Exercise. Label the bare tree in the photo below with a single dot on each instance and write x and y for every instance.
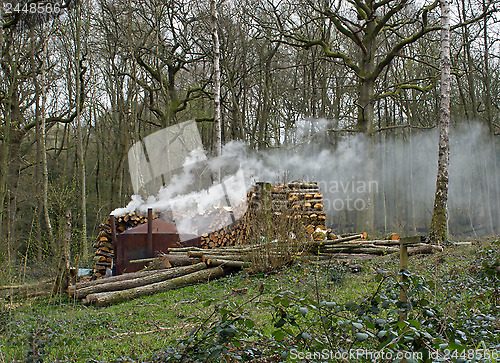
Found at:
(217, 77)
(439, 228)
(398, 22)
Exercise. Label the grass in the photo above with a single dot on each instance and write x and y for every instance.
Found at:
(132, 331)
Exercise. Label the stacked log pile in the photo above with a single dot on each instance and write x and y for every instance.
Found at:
(189, 265)
(180, 267)
(301, 201)
(103, 257)
(226, 230)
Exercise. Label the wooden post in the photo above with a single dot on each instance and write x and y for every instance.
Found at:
(150, 233)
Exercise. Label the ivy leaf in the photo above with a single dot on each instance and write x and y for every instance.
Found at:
(358, 325)
(279, 335)
(330, 304)
(280, 323)
(416, 324)
(361, 336)
(351, 306)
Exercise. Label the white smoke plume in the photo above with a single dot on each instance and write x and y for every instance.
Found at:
(395, 174)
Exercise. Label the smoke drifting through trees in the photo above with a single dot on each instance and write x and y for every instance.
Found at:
(403, 181)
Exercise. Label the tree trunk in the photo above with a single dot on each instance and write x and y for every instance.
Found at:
(365, 106)
(79, 136)
(487, 80)
(45, 172)
(62, 280)
(439, 230)
(470, 66)
(108, 298)
(217, 80)
(366, 88)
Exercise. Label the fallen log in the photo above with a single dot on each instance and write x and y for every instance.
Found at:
(185, 249)
(27, 290)
(209, 254)
(242, 258)
(140, 281)
(424, 249)
(335, 243)
(339, 240)
(356, 244)
(168, 261)
(352, 234)
(126, 276)
(376, 251)
(226, 263)
(109, 298)
(27, 287)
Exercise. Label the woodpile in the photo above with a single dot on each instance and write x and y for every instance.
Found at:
(225, 231)
(103, 257)
(189, 265)
(192, 266)
(356, 243)
(291, 209)
(300, 201)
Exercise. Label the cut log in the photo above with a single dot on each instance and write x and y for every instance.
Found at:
(227, 257)
(376, 251)
(167, 261)
(109, 298)
(126, 276)
(353, 234)
(185, 249)
(226, 263)
(140, 281)
(339, 240)
(424, 249)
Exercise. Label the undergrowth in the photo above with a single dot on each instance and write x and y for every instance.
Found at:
(304, 313)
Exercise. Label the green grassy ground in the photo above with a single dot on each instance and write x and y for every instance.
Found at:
(133, 331)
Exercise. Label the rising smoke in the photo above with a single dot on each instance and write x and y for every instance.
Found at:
(394, 177)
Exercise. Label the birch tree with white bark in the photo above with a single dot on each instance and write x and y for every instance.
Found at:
(439, 230)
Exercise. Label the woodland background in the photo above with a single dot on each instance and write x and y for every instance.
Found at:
(79, 89)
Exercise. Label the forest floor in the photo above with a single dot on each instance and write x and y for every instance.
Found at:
(67, 331)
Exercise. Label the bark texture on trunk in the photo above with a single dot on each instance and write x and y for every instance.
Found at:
(439, 230)
(62, 280)
(217, 74)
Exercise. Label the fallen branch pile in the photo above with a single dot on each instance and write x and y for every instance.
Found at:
(180, 267)
(356, 243)
(166, 272)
